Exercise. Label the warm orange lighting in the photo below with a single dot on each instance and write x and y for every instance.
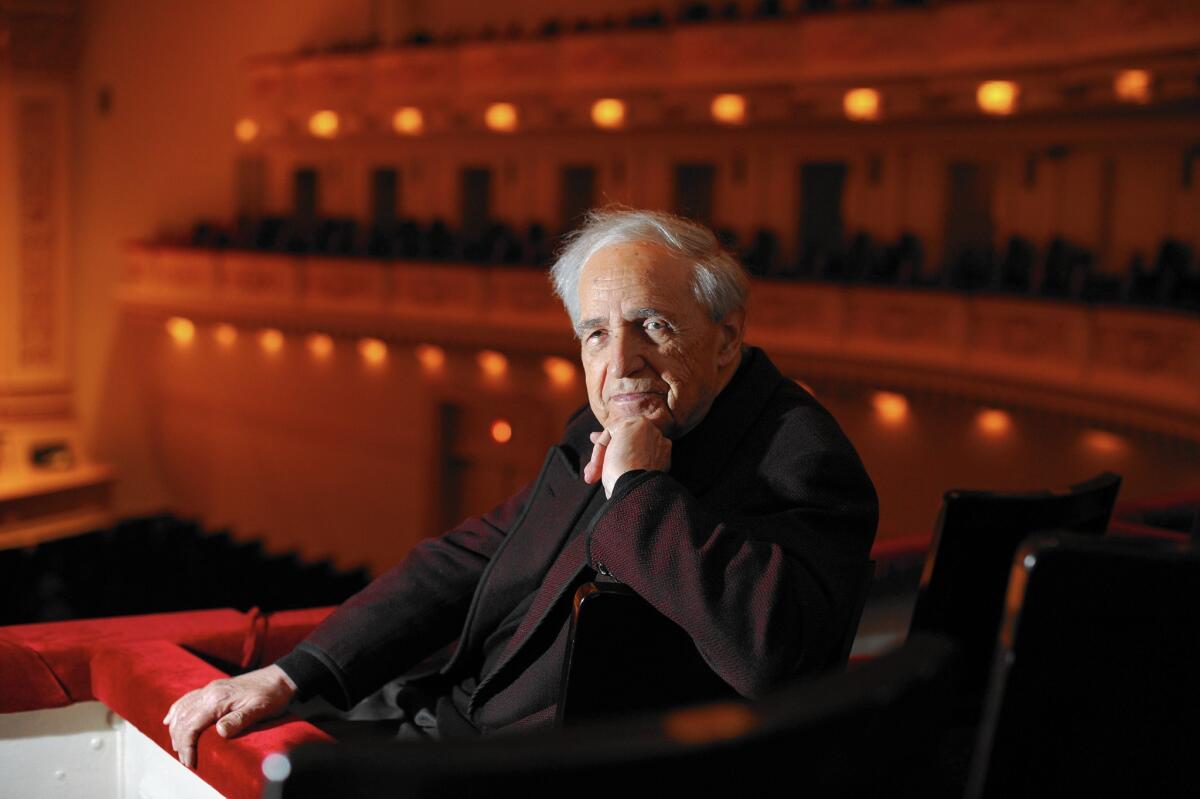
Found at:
(729, 109)
(713, 722)
(890, 407)
(608, 113)
(324, 124)
(501, 117)
(501, 431)
(408, 121)
(993, 422)
(806, 387)
(320, 346)
(861, 105)
(560, 371)
(493, 363)
(246, 130)
(181, 330)
(997, 97)
(1132, 86)
(271, 340)
(373, 351)
(1103, 442)
(431, 357)
(225, 334)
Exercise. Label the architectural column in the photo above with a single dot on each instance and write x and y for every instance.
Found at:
(47, 485)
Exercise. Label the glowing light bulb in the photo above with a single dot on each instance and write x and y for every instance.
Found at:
(181, 330)
(431, 357)
(1132, 86)
(501, 117)
(608, 113)
(225, 334)
(408, 121)
(560, 371)
(501, 431)
(493, 363)
(993, 422)
(890, 407)
(373, 351)
(271, 340)
(997, 97)
(729, 109)
(324, 124)
(320, 346)
(1103, 442)
(246, 130)
(861, 105)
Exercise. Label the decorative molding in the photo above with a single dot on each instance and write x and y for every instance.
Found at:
(1131, 366)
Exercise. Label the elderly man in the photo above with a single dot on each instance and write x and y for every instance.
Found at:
(697, 474)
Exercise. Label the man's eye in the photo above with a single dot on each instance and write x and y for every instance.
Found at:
(595, 335)
(656, 325)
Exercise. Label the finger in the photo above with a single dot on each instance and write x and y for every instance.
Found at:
(231, 724)
(594, 467)
(187, 756)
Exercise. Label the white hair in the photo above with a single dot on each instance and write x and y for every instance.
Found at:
(718, 280)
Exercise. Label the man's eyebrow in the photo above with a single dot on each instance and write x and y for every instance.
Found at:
(646, 313)
(589, 324)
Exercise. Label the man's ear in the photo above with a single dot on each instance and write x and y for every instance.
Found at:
(730, 332)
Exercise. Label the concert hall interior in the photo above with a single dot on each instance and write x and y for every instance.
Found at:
(275, 308)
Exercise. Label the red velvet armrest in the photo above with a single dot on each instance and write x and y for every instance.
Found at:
(286, 628)
(140, 681)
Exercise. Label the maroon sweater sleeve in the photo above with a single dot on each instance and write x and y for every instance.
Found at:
(406, 614)
(763, 573)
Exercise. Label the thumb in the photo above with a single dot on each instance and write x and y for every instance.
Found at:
(231, 724)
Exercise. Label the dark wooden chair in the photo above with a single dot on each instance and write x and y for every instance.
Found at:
(1095, 688)
(862, 733)
(963, 583)
(625, 657)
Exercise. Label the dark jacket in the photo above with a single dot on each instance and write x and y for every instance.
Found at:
(753, 542)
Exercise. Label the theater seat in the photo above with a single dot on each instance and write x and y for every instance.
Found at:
(963, 582)
(1094, 690)
(863, 733)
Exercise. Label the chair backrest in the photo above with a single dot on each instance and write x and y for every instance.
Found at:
(624, 657)
(865, 732)
(1095, 689)
(963, 582)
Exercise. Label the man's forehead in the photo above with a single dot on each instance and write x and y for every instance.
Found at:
(635, 273)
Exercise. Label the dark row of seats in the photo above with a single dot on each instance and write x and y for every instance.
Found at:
(1063, 270)
(1045, 659)
(160, 564)
(690, 13)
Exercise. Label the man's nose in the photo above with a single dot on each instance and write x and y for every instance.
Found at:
(626, 356)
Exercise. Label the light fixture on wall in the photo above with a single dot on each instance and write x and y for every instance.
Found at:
(729, 109)
(1103, 442)
(861, 105)
(560, 371)
(182, 331)
(997, 97)
(320, 345)
(890, 407)
(501, 117)
(1132, 86)
(993, 422)
(502, 431)
(271, 340)
(225, 334)
(373, 351)
(408, 121)
(431, 357)
(324, 124)
(609, 113)
(245, 130)
(492, 363)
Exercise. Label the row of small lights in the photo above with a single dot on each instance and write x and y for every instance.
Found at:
(994, 97)
(374, 352)
(892, 410)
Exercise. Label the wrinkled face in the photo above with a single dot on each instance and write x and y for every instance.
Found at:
(648, 347)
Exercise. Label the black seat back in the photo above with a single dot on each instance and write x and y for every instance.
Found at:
(1095, 689)
(866, 732)
(963, 582)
